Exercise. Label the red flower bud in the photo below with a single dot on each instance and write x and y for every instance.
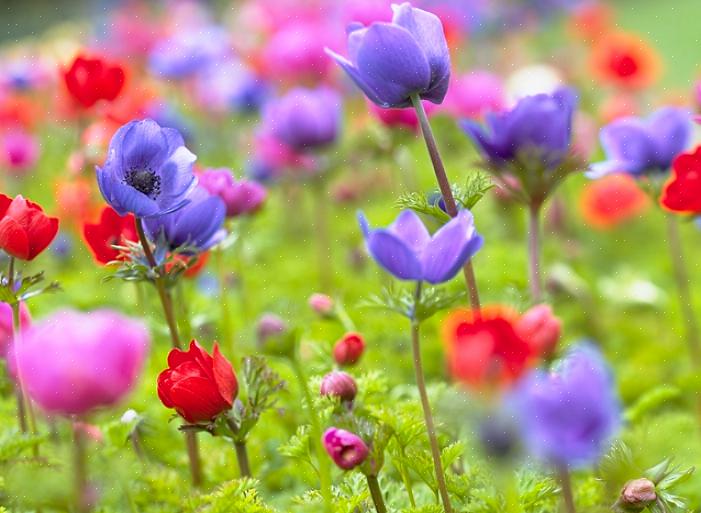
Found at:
(540, 329)
(349, 349)
(25, 231)
(91, 80)
(339, 384)
(198, 386)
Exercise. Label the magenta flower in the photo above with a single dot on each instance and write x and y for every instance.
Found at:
(474, 94)
(6, 325)
(346, 449)
(19, 151)
(74, 362)
(240, 196)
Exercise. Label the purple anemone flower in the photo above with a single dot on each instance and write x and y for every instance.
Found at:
(539, 127)
(568, 416)
(390, 62)
(197, 226)
(241, 197)
(148, 170)
(406, 250)
(189, 52)
(304, 119)
(640, 146)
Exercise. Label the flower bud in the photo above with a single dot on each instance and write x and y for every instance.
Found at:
(346, 449)
(540, 328)
(637, 495)
(339, 384)
(349, 349)
(270, 325)
(321, 304)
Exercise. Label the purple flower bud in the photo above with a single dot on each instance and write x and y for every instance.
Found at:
(346, 449)
(390, 62)
(339, 384)
(641, 146)
(637, 495)
(406, 250)
(240, 197)
(270, 325)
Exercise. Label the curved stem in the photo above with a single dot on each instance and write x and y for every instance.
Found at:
(681, 276)
(167, 304)
(324, 469)
(242, 458)
(563, 476)
(446, 192)
(426, 406)
(534, 277)
(376, 494)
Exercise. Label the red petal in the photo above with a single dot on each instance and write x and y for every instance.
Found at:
(224, 376)
(13, 238)
(197, 399)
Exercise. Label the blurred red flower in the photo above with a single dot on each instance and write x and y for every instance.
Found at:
(110, 230)
(486, 350)
(75, 201)
(90, 80)
(349, 349)
(199, 386)
(624, 60)
(682, 192)
(612, 200)
(25, 230)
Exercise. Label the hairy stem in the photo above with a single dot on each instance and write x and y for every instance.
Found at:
(534, 277)
(242, 458)
(426, 406)
(446, 193)
(376, 494)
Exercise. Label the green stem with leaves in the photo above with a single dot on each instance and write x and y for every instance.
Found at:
(324, 467)
(405, 477)
(167, 304)
(426, 406)
(446, 193)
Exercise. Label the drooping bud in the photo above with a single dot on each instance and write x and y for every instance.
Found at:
(339, 384)
(346, 449)
(637, 495)
(349, 349)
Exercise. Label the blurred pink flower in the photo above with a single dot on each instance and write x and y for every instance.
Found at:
(367, 11)
(19, 151)
(400, 117)
(74, 362)
(6, 325)
(240, 196)
(473, 94)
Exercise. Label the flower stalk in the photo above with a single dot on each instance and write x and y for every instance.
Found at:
(426, 406)
(446, 193)
(376, 494)
(167, 304)
(563, 475)
(80, 470)
(242, 458)
(534, 274)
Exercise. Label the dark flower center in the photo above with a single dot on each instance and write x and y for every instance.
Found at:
(145, 181)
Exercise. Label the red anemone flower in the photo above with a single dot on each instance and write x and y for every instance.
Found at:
(111, 230)
(682, 192)
(25, 230)
(90, 80)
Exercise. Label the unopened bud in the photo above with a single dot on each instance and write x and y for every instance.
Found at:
(637, 495)
(321, 304)
(339, 384)
(349, 349)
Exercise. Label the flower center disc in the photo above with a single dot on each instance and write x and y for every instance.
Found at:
(144, 181)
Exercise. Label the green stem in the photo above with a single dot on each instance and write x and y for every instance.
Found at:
(324, 468)
(227, 330)
(167, 304)
(426, 406)
(563, 476)
(344, 318)
(322, 237)
(242, 458)
(80, 471)
(681, 276)
(376, 494)
(534, 275)
(405, 478)
(446, 193)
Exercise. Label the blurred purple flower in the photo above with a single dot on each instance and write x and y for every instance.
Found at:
(406, 250)
(197, 226)
(640, 146)
(148, 170)
(390, 62)
(538, 127)
(187, 52)
(230, 86)
(73, 362)
(346, 449)
(304, 119)
(240, 196)
(568, 416)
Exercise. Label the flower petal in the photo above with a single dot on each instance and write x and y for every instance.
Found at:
(391, 253)
(409, 228)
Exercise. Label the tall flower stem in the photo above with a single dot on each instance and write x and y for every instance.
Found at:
(446, 193)
(80, 470)
(534, 276)
(681, 276)
(563, 475)
(321, 227)
(324, 468)
(426, 406)
(242, 458)
(227, 330)
(167, 304)
(376, 494)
